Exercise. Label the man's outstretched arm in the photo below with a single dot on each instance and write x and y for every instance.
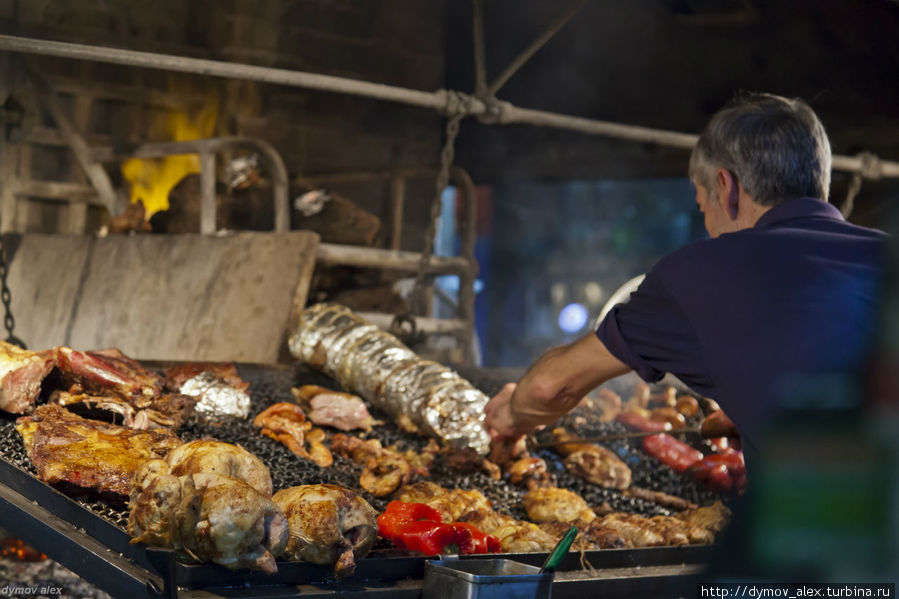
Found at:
(552, 386)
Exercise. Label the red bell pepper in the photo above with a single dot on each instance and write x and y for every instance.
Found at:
(480, 542)
(418, 527)
(676, 454)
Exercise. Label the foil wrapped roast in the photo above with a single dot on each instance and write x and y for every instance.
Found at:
(421, 395)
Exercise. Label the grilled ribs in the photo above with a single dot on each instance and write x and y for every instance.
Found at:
(88, 457)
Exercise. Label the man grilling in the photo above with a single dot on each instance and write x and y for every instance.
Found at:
(784, 288)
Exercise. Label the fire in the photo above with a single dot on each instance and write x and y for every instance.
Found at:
(16, 549)
(153, 179)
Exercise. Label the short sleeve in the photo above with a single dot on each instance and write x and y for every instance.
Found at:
(651, 334)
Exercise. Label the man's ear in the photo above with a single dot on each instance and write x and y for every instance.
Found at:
(729, 189)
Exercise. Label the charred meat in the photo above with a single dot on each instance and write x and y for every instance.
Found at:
(21, 375)
(106, 372)
(222, 458)
(88, 456)
(384, 471)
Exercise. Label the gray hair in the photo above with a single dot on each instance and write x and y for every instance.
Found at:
(775, 147)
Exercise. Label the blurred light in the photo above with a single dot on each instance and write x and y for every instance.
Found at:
(558, 293)
(593, 292)
(573, 318)
(478, 285)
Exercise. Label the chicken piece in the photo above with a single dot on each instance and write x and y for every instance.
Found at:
(328, 525)
(594, 463)
(318, 452)
(514, 535)
(705, 522)
(222, 458)
(505, 450)
(605, 537)
(421, 461)
(452, 504)
(176, 376)
(636, 530)
(21, 375)
(343, 411)
(285, 422)
(530, 471)
(87, 456)
(558, 530)
(674, 530)
(552, 504)
(108, 371)
(384, 471)
(599, 466)
(207, 516)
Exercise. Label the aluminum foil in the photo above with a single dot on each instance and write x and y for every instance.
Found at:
(373, 363)
(217, 399)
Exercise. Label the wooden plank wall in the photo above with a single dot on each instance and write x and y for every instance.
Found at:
(162, 297)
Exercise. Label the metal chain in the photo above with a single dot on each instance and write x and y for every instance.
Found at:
(8, 321)
(458, 105)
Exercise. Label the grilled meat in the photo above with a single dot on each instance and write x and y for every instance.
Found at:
(88, 456)
(106, 372)
(222, 458)
(329, 525)
(285, 422)
(530, 471)
(605, 537)
(207, 516)
(557, 530)
(468, 460)
(176, 376)
(636, 530)
(673, 529)
(594, 463)
(21, 375)
(705, 522)
(165, 411)
(342, 411)
(552, 504)
(514, 535)
(384, 471)
(452, 504)
(660, 498)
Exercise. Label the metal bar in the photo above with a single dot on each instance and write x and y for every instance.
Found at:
(397, 203)
(435, 100)
(201, 66)
(329, 253)
(480, 58)
(534, 46)
(95, 173)
(207, 193)
(74, 549)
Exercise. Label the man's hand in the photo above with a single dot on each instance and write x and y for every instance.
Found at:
(499, 419)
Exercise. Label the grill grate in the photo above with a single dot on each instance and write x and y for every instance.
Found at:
(269, 385)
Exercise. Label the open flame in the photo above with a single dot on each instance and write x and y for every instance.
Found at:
(153, 179)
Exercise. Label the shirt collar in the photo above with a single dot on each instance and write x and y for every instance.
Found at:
(798, 208)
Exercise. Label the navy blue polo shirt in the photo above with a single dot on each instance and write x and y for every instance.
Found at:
(737, 317)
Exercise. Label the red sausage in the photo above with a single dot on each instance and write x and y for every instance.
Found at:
(638, 422)
(676, 454)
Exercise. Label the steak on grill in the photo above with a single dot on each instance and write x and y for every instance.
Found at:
(87, 456)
